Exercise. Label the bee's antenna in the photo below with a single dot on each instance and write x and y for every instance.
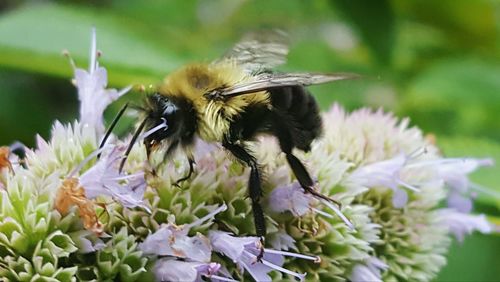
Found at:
(111, 127)
(131, 144)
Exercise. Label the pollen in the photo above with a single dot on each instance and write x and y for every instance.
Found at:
(71, 193)
(4, 158)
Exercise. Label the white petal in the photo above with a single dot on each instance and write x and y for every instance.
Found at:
(169, 240)
(174, 270)
(290, 198)
(461, 224)
(194, 248)
(369, 270)
(459, 202)
(399, 198)
(258, 271)
(379, 174)
(361, 273)
(157, 243)
(228, 245)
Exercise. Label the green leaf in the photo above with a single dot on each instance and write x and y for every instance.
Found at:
(458, 96)
(485, 176)
(376, 23)
(33, 38)
(466, 24)
(476, 259)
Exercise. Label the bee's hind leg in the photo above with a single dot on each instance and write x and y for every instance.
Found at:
(305, 179)
(282, 132)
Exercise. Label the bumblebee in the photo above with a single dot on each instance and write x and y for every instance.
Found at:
(231, 101)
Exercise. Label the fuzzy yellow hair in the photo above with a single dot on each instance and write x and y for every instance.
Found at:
(193, 81)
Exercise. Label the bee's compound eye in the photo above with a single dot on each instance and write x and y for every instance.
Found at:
(169, 109)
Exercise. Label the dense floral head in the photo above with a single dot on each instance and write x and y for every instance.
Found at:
(68, 215)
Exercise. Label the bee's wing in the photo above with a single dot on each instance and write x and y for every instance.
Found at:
(259, 51)
(266, 81)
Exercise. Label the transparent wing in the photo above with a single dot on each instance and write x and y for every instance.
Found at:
(259, 51)
(267, 81)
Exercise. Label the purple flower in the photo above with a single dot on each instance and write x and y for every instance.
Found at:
(169, 269)
(292, 198)
(454, 173)
(461, 224)
(244, 251)
(103, 178)
(172, 240)
(384, 174)
(369, 270)
(92, 93)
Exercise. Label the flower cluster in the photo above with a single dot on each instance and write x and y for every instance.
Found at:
(68, 212)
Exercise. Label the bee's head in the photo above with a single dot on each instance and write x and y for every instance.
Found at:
(176, 113)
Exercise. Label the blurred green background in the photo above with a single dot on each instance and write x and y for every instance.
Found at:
(437, 62)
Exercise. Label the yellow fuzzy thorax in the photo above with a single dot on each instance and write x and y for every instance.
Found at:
(193, 81)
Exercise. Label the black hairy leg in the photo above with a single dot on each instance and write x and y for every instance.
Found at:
(305, 179)
(282, 131)
(191, 170)
(254, 189)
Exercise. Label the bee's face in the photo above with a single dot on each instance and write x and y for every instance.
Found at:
(173, 111)
(160, 110)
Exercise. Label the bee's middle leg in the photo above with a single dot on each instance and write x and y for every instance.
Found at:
(254, 189)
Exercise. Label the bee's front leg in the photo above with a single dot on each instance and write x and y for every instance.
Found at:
(191, 170)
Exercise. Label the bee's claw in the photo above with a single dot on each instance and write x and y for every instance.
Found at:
(315, 193)
(261, 253)
(191, 170)
(179, 181)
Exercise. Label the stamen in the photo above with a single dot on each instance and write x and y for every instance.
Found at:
(154, 129)
(481, 162)
(70, 59)
(290, 254)
(93, 51)
(408, 186)
(220, 278)
(124, 90)
(86, 160)
(484, 190)
(126, 177)
(418, 152)
(339, 213)
(284, 270)
(206, 217)
(325, 214)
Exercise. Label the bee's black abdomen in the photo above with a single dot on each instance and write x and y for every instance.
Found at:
(297, 112)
